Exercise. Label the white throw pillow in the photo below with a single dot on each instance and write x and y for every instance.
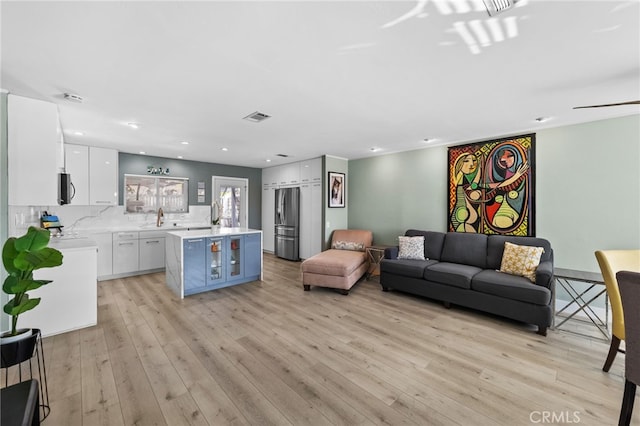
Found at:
(411, 248)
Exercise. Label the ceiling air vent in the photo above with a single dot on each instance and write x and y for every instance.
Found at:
(257, 117)
(496, 6)
(73, 97)
(282, 155)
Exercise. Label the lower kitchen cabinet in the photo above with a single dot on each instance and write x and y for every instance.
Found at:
(208, 262)
(216, 262)
(252, 263)
(125, 252)
(194, 258)
(151, 250)
(104, 240)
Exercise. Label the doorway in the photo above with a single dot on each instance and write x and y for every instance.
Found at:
(232, 196)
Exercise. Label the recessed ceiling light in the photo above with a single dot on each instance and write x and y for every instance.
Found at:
(268, 160)
(184, 143)
(225, 149)
(78, 133)
(142, 152)
(134, 125)
(542, 119)
(374, 149)
(180, 157)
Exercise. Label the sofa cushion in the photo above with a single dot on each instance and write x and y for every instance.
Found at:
(405, 267)
(358, 236)
(411, 248)
(521, 260)
(334, 262)
(433, 242)
(495, 247)
(467, 249)
(347, 245)
(510, 287)
(453, 274)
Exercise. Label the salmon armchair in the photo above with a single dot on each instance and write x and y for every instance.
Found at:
(611, 262)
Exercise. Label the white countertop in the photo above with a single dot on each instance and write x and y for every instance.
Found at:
(65, 244)
(135, 228)
(201, 233)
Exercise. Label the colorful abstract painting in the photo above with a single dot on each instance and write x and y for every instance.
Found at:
(492, 186)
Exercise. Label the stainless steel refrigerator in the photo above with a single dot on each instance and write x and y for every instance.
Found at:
(287, 214)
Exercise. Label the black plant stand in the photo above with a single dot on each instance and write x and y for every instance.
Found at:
(25, 353)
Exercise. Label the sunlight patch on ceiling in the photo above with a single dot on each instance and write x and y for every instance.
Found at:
(476, 33)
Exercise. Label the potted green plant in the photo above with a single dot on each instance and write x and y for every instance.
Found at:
(20, 257)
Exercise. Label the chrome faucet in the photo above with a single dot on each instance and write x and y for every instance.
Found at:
(159, 220)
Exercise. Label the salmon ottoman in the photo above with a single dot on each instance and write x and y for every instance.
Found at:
(342, 265)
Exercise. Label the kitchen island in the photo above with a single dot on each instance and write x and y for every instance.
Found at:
(204, 260)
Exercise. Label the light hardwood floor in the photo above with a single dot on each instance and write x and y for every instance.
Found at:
(270, 353)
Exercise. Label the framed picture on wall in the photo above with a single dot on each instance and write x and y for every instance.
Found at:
(492, 186)
(336, 185)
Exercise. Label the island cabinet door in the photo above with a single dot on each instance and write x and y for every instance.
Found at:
(235, 259)
(252, 256)
(215, 261)
(194, 261)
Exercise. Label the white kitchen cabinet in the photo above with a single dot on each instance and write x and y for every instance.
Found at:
(33, 151)
(125, 252)
(270, 176)
(310, 219)
(287, 174)
(308, 176)
(305, 172)
(316, 170)
(151, 248)
(305, 221)
(104, 240)
(310, 207)
(316, 218)
(103, 176)
(268, 216)
(77, 165)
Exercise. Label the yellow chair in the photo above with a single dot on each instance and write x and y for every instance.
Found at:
(611, 262)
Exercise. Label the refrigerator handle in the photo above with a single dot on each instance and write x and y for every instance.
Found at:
(284, 207)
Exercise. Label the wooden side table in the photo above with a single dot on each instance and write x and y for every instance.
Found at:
(375, 254)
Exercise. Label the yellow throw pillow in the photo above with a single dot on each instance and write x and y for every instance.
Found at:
(521, 260)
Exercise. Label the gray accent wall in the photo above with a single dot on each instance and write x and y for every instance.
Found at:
(587, 190)
(196, 171)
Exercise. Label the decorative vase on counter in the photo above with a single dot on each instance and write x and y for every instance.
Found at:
(215, 217)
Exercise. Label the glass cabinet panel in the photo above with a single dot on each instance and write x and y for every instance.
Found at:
(215, 260)
(235, 256)
(145, 194)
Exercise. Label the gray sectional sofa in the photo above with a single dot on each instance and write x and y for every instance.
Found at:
(462, 269)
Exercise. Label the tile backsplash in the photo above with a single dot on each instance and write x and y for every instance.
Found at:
(79, 219)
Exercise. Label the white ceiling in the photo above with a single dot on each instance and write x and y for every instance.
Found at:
(338, 78)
